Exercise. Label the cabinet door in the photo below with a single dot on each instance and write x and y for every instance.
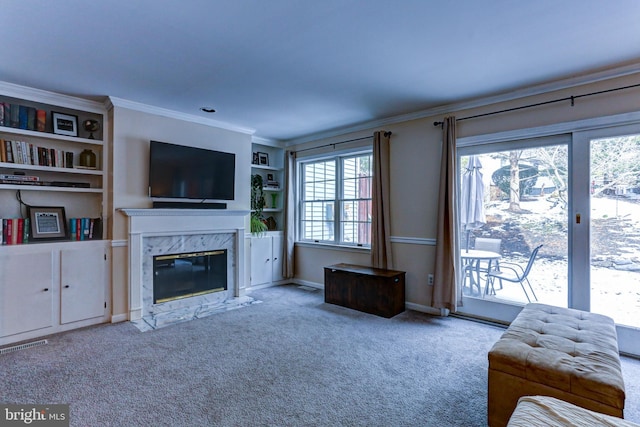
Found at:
(261, 262)
(82, 285)
(26, 292)
(277, 248)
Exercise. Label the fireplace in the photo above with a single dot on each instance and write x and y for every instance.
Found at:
(185, 275)
(155, 234)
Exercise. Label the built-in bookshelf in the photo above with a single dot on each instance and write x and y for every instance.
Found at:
(51, 155)
(268, 161)
(53, 183)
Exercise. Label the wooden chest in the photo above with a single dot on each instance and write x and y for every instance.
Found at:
(371, 290)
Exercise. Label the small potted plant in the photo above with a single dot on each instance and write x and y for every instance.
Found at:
(257, 205)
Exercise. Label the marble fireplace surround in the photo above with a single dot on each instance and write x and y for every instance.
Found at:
(169, 231)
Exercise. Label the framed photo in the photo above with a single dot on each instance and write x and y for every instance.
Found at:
(263, 159)
(64, 124)
(270, 177)
(256, 159)
(47, 223)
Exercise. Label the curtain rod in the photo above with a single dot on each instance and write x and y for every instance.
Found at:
(568, 98)
(333, 144)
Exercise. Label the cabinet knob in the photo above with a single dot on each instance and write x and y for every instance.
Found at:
(267, 260)
(46, 289)
(275, 259)
(66, 286)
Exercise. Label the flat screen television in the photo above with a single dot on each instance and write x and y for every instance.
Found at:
(181, 172)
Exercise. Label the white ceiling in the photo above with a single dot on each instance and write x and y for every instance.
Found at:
(292, 68)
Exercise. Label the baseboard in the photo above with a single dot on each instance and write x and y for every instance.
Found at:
(425, 309)
(117, 318)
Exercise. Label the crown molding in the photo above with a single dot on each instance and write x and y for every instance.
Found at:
(603, 75)
(112, 102)
(57, 99)
(267, 141)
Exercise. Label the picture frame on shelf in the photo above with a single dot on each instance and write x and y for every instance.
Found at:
(270, 177)
(263, 159)
(48, 222)
(255, 160)
(64, 124)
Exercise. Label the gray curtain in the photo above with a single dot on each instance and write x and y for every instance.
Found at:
(380, 230)
(446, 292)
(288, 261)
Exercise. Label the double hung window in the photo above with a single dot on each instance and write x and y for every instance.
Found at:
(335, 200)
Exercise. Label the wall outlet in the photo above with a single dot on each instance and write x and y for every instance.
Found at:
(430, 279)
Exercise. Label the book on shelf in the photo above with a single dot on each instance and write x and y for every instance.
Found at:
(14, 110)
(15, 231)
(21, 152)
(31, 118)
(2, 114)
(10, 177)
(41, 120)
(23, 116)
(85, 228)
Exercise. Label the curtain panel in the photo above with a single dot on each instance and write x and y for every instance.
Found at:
(380, 229)
(288, 259)
(446, 291)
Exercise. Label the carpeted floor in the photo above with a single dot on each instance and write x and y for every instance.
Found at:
(291, 361)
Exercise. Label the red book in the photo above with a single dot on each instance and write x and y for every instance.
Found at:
(20, 230)
(9, 230)
(78, 229)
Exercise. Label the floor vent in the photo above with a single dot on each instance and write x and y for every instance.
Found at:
(22, 346)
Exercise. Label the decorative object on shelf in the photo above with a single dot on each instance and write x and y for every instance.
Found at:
(257, 205)
(88, 159)
(272, 225)
(255, 160)
(47, 223)
(274, 200)
(64, 124)
(91, 126)
(263, 159)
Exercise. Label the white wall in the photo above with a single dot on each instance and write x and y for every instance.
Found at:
(415, 173)
(129, 155)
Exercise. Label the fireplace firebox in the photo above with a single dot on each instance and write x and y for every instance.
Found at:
(184, 275)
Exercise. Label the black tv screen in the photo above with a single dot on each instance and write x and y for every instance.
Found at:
(178, 171)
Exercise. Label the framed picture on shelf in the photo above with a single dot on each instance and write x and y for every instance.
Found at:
(263, 159)
(48, 223)
(255, 160)
(64, 124)
(270, 177)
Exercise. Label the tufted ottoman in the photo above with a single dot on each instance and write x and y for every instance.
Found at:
(568, 354)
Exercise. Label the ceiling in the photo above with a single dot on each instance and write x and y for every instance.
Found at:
(294, 68)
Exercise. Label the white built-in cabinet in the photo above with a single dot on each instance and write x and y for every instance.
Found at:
(52, 286)
(266, 259)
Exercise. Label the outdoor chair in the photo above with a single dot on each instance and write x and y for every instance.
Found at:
(492, 245)
(515, 273)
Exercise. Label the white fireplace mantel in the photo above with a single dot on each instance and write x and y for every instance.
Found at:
(146, 224)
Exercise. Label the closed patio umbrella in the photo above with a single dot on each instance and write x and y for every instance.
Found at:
(472, 198)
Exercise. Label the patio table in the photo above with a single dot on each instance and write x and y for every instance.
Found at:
(471, 260)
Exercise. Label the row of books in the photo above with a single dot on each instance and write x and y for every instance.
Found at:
(22, 117)
(85, 228)
(15, 231)
(25, 153)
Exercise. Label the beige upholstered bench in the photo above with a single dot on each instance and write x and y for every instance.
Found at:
(568, 354)
(549, 411)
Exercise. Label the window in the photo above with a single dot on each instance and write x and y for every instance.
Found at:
(335, 200)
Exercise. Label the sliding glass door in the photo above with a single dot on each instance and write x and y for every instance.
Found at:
(577, 195)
